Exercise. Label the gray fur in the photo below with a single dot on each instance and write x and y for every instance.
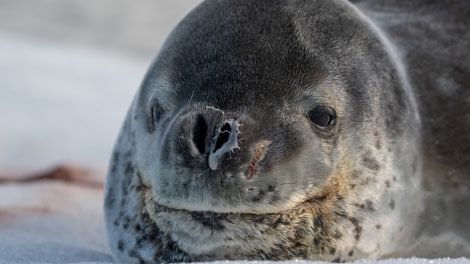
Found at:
(217, 158)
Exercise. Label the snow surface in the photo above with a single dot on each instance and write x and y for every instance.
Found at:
(61, 103)
(66, 103)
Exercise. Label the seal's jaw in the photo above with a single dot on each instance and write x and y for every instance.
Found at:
(276, 236)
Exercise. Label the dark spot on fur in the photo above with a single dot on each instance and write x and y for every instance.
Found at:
(110, 199)
(281, 221)
(355, 174)
(387, 184)
(357, 228)
(332, 251)
(378, 226)
(145, 237)
(370, 162)
(359, 206)
(271, 188)
(145, 216)
(127, 220)
(259, 219)
(186, 188)
(274, 199)
(316, 241)
(120, 245)
(318, 221)
(392, 204)
(338, 234)
(128, 154)
(370, 205)
(138, 242)
(129, 170)
(394, 178)
(366, 181)
(115, 161)
(133, 253)
(351, 253)
(210, 219)
(378, 143)
(116, 222)
(337, 260)
(352, 186)
(341, 214)
(137, 227)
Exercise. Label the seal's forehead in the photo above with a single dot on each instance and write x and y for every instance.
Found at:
(244, 47)
(261, 49)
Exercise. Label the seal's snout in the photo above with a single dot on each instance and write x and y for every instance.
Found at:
(206, 134)
(214, 139)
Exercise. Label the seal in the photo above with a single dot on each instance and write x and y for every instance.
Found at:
(322, 130)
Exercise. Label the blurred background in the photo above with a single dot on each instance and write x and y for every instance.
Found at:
(68, 72)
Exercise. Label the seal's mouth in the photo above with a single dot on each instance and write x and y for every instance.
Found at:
(203, 216)
(219, 221)
(310, 207)
(206, 218)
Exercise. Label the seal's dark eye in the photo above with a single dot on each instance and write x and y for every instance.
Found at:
(323, 117)
(156, 113)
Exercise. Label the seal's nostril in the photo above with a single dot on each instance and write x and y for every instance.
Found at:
(224, 141)
(223, 136)
(199, 133)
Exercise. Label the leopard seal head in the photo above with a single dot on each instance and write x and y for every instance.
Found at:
(267, 130)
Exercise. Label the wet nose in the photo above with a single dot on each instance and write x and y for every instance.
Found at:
(224, 139)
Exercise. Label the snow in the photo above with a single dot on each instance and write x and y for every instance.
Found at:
(62, 103)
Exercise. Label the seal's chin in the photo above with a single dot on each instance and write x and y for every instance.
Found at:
(211, 233)
(238, 235)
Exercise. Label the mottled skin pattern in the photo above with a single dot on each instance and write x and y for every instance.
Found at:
(226, 154)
